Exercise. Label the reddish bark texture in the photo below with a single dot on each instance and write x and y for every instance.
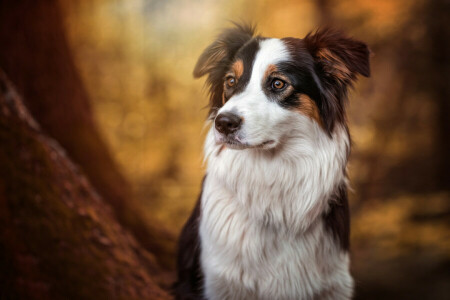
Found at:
(58, 238)
(34, 54)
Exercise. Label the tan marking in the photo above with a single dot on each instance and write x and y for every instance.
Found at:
(238, 68)
(334, 65)
(220, 149)
(270, 69)
(223, 98)
(309, 108)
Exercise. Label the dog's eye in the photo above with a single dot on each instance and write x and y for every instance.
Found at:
(230, 81)
(278, 84)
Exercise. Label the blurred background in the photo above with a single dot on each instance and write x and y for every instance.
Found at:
(110, 81)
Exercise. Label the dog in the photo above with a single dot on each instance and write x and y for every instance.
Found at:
(272, 220)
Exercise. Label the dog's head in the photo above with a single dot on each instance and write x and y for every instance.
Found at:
(262, 88)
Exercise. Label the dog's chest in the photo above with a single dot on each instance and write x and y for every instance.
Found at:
(245, 259)
(261, 227)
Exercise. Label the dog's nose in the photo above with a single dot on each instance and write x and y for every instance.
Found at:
(227, 123)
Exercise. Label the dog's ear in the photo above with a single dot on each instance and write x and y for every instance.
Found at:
(338, 57)
(223, 49)
(338, 60)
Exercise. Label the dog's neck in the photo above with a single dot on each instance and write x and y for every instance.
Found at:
(288, 187)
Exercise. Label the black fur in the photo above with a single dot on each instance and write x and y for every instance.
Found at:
(354, 55)
(216, 60)
(247, 54)
(337, 219)
(303, 79)
(189, 274)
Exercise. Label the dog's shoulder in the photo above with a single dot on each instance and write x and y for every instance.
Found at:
(189, 274)
(337, 218)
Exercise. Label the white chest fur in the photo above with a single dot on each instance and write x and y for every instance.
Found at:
(261, 230)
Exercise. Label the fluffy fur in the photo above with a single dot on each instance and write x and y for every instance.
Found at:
(272, 220)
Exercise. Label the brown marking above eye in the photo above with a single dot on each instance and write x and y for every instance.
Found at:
(238, 68)
(309, 108)
(277, 77)
(270, 69)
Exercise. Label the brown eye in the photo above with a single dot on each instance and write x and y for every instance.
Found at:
(231, 81)
(278, 84)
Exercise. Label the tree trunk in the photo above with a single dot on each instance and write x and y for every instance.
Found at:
(58, 239)
(34, 54)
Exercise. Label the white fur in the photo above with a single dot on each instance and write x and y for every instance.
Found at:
(262, 116)
(261, 230)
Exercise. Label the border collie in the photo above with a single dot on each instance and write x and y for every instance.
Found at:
(272, 221)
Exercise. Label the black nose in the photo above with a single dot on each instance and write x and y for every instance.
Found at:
(227, 123)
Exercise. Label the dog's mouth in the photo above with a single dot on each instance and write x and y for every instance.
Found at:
(234, 142)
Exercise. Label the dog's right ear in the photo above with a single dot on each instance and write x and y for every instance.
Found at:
(223, 49)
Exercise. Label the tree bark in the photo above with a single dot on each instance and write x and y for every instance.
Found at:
(34, 54)
(58, 238)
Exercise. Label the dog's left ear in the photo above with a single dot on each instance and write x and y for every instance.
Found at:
(338, 57)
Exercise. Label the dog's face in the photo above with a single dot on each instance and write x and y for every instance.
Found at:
(262, 89)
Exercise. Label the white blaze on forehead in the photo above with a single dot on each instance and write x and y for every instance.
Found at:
(262, 117)
(271, 51)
